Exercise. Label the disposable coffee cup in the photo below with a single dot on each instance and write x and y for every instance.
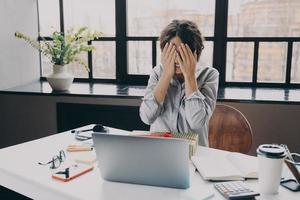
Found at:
(270, 162)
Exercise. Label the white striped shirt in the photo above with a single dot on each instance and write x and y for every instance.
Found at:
(179, 113)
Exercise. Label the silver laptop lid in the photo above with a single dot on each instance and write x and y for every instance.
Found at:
(143, 160)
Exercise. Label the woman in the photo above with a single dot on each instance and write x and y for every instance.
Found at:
(181, 95)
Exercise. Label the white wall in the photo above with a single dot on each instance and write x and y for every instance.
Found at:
(19, 63)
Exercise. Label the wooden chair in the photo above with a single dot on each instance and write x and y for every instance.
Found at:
(229, 130)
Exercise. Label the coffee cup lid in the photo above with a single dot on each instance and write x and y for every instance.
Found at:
(271, 151)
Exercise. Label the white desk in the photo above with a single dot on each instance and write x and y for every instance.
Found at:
(20, 172)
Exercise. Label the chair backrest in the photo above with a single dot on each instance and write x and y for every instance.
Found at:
(229, 130)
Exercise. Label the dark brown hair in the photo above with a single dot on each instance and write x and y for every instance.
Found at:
(187, 31)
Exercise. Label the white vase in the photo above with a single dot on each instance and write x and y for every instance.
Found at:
(60, 79)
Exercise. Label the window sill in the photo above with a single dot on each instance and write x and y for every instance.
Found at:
(105, 90)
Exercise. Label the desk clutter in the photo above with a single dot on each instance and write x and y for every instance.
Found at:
(235, 166)
(62, 155)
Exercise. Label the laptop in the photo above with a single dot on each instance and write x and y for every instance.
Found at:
(155, 161)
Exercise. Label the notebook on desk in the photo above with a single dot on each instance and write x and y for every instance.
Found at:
(143, 160)
(233, 166)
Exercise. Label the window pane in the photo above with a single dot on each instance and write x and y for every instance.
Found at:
(78, 70)
(46, 66)
(295, 73)
(272, 62)
(104, 60)
(98, 15)
(148, 18)
(48, 16)
(250, 18)
(267, 94)
(140, 57)
(206, 57)
(239, 61)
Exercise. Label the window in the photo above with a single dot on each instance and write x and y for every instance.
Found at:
(48, 16)
(250, 42)
(262, 32)
(296, 63)
(271, 62)
(104, 65)
(239, 61)
(66, 14)
(91, 13)
(263, 18)
(148, 18)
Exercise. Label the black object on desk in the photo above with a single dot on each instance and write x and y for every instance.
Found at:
(98, 128)
(292, 184)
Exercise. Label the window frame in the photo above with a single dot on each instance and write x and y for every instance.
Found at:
(219, 39)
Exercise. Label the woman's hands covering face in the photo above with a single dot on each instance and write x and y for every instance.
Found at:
(168, 59)
(187, 60)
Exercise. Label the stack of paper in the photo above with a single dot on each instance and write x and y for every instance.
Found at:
(191, 137)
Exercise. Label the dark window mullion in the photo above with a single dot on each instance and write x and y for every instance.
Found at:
(121, 43)
(39, 31)
(105, 39)
(61, 16)
(154, 52)
(289, 63)
(90, 63)
(255, 62)
(220, 35)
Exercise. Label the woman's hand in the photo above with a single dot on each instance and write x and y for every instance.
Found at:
(168, 60)
(187, 61)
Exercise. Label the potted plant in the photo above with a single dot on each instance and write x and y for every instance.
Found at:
(62, 50)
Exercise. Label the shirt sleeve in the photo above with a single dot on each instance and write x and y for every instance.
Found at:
(201, 103)
(150, 109)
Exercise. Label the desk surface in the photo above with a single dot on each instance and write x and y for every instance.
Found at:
(20, 172)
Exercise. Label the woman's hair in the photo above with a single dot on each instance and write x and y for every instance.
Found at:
(187, 31)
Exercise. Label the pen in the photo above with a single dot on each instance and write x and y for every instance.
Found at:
(74, 148)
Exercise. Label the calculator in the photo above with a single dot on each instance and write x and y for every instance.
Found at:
(235, 190)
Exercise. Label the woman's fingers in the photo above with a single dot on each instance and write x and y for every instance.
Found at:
(185, 51)
(173, 55)
(191, 56)
(181, 53)
(179, 59)
(195, 56)
(173, 49)
(168, 51)
(164, 50)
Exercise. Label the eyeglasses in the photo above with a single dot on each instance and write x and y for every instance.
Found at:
(56, 160)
